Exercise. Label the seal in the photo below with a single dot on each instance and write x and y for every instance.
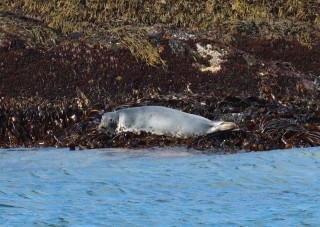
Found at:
(160, 121)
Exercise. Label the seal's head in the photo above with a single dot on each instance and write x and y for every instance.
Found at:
(109, 123)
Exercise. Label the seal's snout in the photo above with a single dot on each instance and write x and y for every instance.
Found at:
(101, 128)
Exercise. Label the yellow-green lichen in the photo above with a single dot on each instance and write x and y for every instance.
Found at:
(287, 19)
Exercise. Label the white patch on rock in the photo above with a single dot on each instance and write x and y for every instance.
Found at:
(214, 57)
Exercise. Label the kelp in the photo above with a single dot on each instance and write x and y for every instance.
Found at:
(71, 123)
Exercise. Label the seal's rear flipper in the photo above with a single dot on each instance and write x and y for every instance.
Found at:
(223, 126)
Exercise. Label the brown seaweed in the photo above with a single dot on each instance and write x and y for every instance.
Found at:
(60, 70)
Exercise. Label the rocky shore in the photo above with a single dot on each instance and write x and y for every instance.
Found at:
(53, 93)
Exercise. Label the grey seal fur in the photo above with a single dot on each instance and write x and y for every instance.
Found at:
(160, 121)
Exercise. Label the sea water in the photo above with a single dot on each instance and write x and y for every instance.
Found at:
(159, 187)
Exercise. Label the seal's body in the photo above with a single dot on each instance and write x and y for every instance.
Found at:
(160, 121)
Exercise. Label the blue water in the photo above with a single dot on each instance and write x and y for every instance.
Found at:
(159, 187)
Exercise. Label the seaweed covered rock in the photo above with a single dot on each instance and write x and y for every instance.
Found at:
(62, 64)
